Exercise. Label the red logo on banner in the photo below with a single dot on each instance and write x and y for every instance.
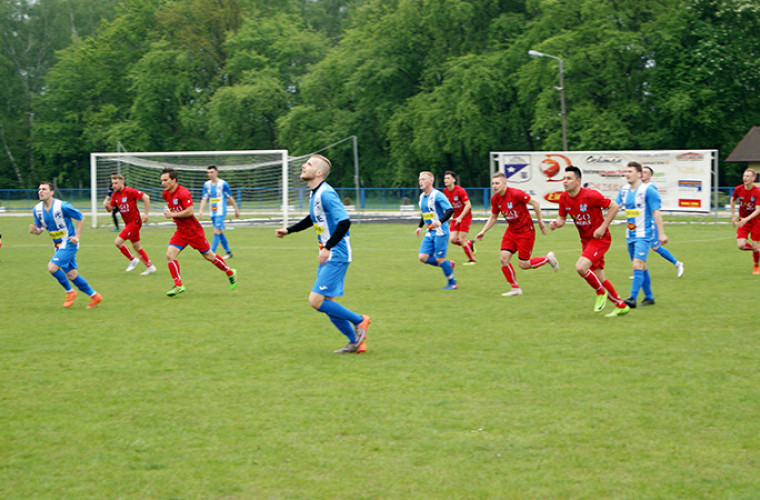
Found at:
(689, 203)
(553, 197)
(551, 167)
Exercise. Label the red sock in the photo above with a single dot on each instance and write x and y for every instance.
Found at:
(538, 262)
(219, 262)
(144, 257)
(593, 280)
(756, 257)
(612, 294)
(467, 247)
(123, 249)
(509, 273)
(174, 271)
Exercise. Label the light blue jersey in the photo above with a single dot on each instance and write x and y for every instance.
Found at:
(217, 194)
(639, 205)
(434, 206)
(326, 211)
(57, 221)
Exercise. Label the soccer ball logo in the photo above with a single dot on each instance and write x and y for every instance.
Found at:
(552, 165)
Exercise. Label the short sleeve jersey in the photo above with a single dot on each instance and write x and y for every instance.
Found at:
(57, 221)
(126, 201)
(177, 201)
(513, 207)
(746, 199)
(586, 211)
(639, 205)
(217, 194)
(433, 206)
(457, 197)
(326, 211)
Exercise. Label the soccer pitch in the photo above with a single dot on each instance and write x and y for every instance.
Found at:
(461, 394)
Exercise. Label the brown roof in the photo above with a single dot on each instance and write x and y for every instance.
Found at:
(749, 147)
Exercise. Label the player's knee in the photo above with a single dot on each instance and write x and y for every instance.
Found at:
(52, 268)
(423, 257)
(524, 264)
(441, 260)
(454, 241)
(315, 301)
(581, 268)
(72, 275)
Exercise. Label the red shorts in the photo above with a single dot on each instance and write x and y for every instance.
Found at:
(195, 240)
(751, 231)
(131, 232)
(594, 251)
(519, 243)
(464, 226)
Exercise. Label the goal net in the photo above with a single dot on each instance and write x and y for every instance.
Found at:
(265, 183)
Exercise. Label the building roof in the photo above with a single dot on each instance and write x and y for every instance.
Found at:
(748, 148)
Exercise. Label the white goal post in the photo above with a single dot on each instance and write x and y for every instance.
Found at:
(261, 180)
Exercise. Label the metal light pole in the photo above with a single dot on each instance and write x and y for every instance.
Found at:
(561, 88)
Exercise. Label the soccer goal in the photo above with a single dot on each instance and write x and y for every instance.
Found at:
(265, 182)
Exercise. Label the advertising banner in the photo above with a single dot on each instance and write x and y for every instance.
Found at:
(684, 178)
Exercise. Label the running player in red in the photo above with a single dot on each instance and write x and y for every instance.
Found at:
(585, 207)
(189, 231)
(125, 199)
(520, 236)
(462, 218)
(747, 196)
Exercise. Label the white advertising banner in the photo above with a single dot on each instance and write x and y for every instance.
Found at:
(684, 178)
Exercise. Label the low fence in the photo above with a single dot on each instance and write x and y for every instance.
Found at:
(256, 199)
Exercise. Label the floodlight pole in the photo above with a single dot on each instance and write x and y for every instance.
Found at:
(561, 88)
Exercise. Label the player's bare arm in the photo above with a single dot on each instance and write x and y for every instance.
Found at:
(660, 227)
(107, 204)
(751, 216)
(232, 202)
(33, 229)
(537, 209)
(80, 226)
(733, 211)
(188, 212)
(465, 211)
(612, 211)
(146, 205)
(557, 223)
(200, 209)
(489, 224)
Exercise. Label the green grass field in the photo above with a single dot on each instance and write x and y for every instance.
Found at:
(464, 394)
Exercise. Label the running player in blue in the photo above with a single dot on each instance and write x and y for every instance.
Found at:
(646, 176)
(56, 216)
(641, 203)
(330, 220)
(436, 212)
(217, 192)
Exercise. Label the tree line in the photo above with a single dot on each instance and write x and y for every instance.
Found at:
(423, 84)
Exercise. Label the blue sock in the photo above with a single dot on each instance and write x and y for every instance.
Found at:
(646, 285)
(432, 261)
(62, 279)
(215, 243)
(638, 281)
(345, 327)
(447, 270)
(226, 245)
(82, 284)
(335, 310)
(665, 253)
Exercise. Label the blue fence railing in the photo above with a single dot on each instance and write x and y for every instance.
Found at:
(258, 198)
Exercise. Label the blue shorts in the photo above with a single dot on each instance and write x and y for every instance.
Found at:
(639, 249)
(218, 221)
(330, 278)
(437, 246)
(66, 258)
(654, 244)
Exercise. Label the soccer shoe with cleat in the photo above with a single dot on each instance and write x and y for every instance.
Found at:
(451, 286)
(233, 279)
(646, 302)
(69, 301)
(472, 248)
(601, 301)
(553, 261)
(618, 311)
(227, 256)
(362, 348)
(94, 301)
(679, 269)
(630, 302)
(470, 263)
(361, 329)
(132, 264)
(350, 348)
(512, 293)
(176, 290)
(756, 269)
(150, 270)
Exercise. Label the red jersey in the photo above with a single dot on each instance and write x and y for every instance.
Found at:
(513, 205)
(126, 201)
(586, 210)
(177, 201)
(746, 199)
(457, 197)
